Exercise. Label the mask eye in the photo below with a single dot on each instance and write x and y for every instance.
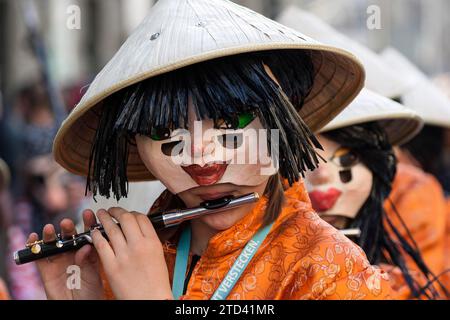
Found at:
(168, 148)
(159, 134)
(345, 157)
(244, 119)
(349, 160)
(239, 122)
(231, 141)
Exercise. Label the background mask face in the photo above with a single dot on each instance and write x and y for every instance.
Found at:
(341, 186)
(209, 153)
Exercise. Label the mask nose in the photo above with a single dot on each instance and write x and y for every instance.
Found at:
(197, 146)
(201, 144)
(321, 175)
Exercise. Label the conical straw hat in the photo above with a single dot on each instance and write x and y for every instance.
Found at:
(379, 77)
(179, 33)
(401, 124)
(421, 95)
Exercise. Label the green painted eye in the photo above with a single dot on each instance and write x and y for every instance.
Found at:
(159, 134)
(244, 119)
(240, 122)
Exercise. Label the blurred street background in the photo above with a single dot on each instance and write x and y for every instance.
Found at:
(40, 47)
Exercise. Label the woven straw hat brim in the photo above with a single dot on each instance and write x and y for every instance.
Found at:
(379, 76)
(182, 42)
(421, 95)
(401, 124)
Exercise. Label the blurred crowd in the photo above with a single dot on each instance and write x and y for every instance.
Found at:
(35, 190)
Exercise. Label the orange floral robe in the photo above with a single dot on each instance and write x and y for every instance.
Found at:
(302, 257)
(420, 201)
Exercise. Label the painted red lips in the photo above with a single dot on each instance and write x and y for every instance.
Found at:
(323, 201)
(207, 175)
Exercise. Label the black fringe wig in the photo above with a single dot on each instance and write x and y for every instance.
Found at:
(370, 143)
(220, 89)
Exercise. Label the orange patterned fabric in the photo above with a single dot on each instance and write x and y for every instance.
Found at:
(419, 200)
(303, 257)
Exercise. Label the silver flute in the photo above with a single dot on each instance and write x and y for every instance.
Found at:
(161, 220)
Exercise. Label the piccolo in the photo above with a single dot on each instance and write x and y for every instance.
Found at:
(40, 249)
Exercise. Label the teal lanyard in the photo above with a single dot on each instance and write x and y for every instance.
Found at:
(181, 262)
(233, 274)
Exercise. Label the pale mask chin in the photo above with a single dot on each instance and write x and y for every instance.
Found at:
(242, 163)
(338, 191)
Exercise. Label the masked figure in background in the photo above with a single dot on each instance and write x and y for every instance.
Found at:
(350, 189)
(442, 81)
(417, 195)
(207, 64)
(428, 149)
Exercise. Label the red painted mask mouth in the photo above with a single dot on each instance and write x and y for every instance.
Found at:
(323, 201)
(207, 175)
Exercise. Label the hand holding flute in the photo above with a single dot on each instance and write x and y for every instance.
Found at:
(132, 260)
(54, 270)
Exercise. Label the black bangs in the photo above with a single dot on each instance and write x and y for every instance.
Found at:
(296, 81)
(219, 89)
(380, 239)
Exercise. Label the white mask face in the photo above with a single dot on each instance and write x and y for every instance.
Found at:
(339, 187)
(208, 153)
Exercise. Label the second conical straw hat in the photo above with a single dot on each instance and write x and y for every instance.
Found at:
(401, 124)
(179, 33)
(421, 95)
(379, 76)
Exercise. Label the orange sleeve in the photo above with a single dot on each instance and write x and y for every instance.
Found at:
(340, 272)
(421, 204)
(368, 284)
(360, 281)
